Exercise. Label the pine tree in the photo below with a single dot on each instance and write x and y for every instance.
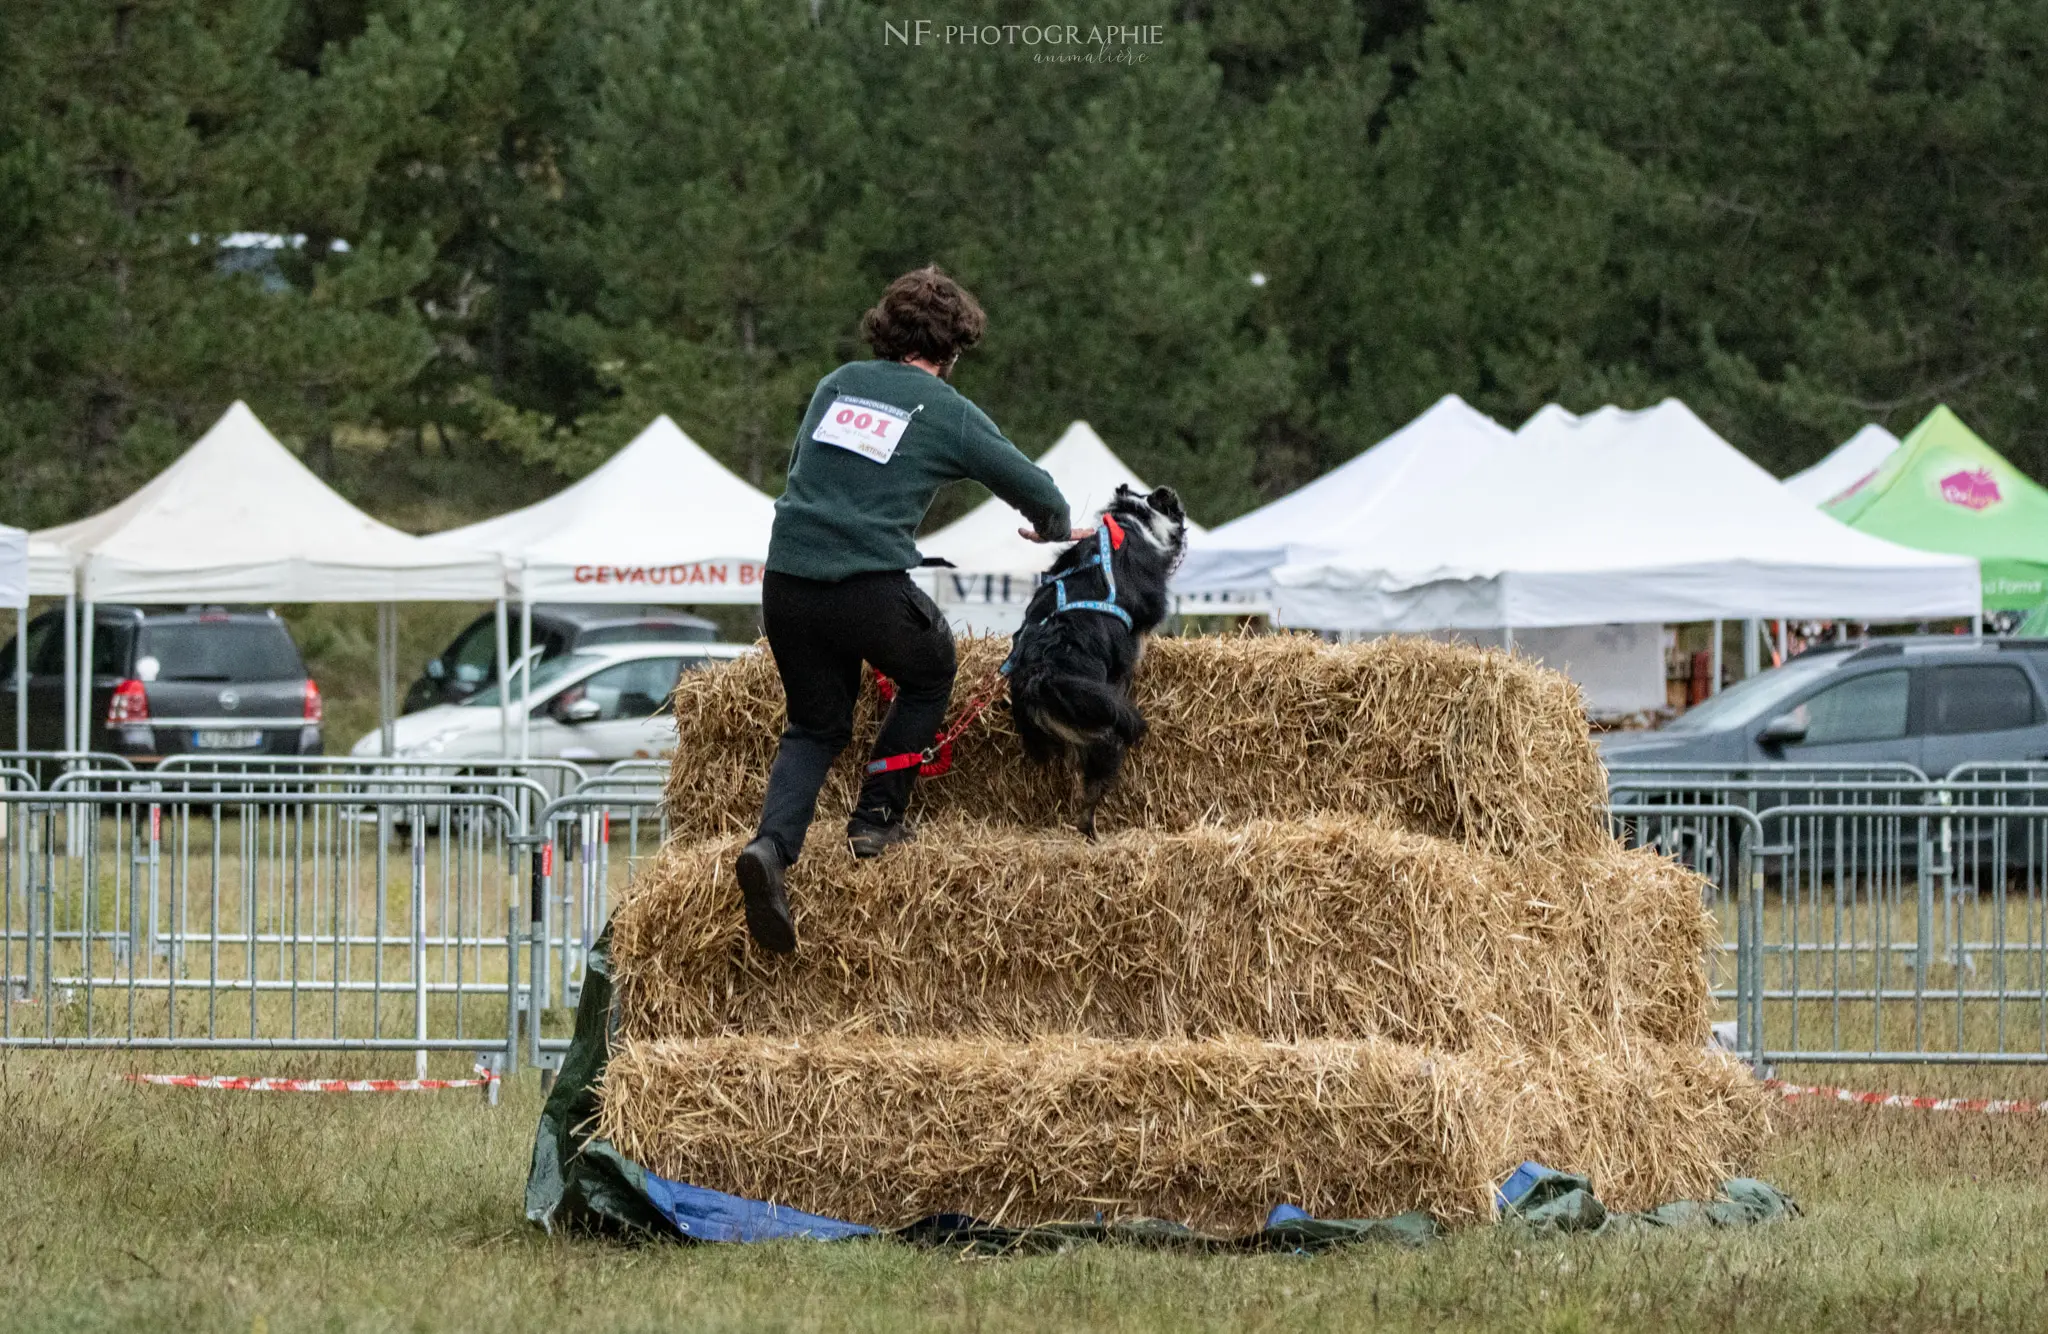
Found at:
(699, 264)
(141, 136)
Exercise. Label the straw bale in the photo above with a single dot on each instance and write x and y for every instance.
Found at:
(1652, 943)
(1470, 744)
(1213, 1133)
(1331, 927)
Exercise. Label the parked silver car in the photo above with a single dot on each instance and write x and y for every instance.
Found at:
(594, 704)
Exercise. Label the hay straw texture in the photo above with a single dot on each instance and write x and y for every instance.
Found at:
(1212, 1133)
(1356, 938)
(1468, 744)
(1280, 930)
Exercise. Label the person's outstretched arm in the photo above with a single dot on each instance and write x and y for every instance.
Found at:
(988, 457)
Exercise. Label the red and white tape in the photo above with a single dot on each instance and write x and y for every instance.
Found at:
(242, 1084)
(1993, 1105)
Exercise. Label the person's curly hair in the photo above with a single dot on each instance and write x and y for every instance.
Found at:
(924, 314)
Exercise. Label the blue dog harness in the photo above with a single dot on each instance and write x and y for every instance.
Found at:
(937, 758)
(1109, 537)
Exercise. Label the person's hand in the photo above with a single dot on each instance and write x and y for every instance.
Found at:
(1031, 535)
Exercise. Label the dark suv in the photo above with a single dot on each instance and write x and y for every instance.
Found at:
(1933, 703)
(166, 682)
(470, 663)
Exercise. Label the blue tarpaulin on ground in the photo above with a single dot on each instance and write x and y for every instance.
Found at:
(713, 1215)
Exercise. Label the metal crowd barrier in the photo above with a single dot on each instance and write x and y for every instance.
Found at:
(166, 914)
(597, 839)
(1865, 919)
(1866, 914)
(45, 765)
(546, 778)
(310, 904)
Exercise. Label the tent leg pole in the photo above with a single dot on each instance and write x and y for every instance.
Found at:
(504, 684)
(1714, 677)
(71, 671)
(387, 673)
(1784, 642)
(1752, 660)
(1507, 638)
(525, 676)
(85, 674)
(21, 678)
(85, 816)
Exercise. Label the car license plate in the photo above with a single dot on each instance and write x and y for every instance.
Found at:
(223, 740)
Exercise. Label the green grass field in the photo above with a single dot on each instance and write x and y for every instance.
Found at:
(153, 1208)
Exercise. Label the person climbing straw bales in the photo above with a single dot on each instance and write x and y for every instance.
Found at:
(879, 439)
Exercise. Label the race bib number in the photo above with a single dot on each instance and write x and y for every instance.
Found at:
(870, 429)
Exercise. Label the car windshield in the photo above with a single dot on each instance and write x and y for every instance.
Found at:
(1746, 701)
(544, 678)
(220, 651)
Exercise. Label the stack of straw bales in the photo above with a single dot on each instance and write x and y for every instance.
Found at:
(1360, 942)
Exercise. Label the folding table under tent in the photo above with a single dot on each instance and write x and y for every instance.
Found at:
(1847, 464)
(237, 518)
(1230, 568)
(1616, 518)
(994, 569)
(1946, 490)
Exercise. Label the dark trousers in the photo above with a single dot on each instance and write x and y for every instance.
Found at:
(820, 634)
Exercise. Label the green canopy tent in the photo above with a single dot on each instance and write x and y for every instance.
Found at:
(1944, 489)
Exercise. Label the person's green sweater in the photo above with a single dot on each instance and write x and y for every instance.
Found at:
(878, 441)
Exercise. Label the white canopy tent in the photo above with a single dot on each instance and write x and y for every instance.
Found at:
(1846, 465)
(1618, 517)
(1620, 667)
(237, 518)
(995, 569)
(1229, 569)
(50, 571)
(14, 568)
(660, 521)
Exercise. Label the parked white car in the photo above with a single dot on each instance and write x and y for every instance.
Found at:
(604, 703)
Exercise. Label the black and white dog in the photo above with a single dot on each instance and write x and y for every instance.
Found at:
(1071, 663)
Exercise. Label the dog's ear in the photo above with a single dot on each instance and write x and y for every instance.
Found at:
(1166, 501)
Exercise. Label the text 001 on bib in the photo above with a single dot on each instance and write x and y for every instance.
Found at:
(871, 430)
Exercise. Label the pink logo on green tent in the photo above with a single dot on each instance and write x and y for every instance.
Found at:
(1972, 488)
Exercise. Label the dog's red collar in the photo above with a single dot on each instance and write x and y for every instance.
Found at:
(1116, 533)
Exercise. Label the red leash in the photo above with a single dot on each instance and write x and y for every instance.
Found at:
(937, 759)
